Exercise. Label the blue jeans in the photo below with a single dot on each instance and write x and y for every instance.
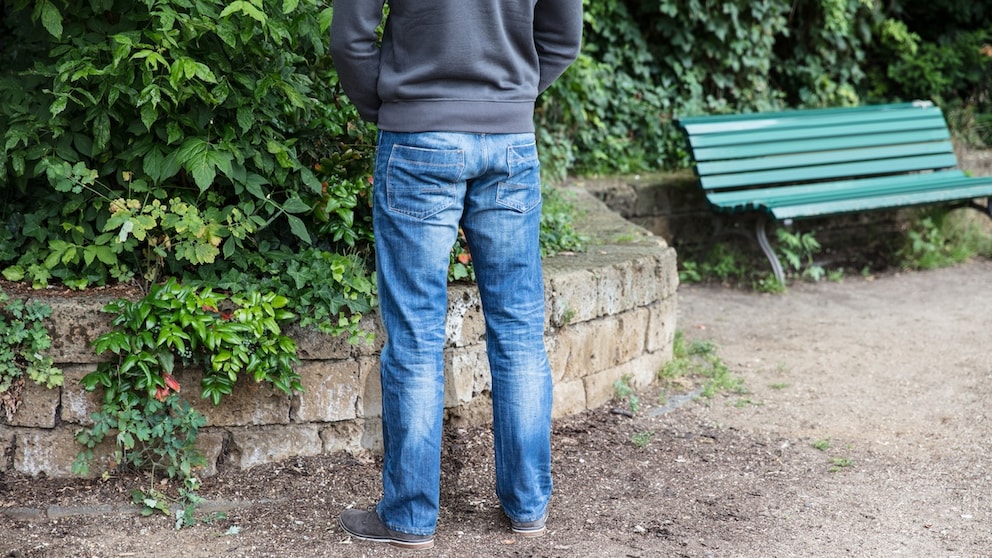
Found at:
(427, 185)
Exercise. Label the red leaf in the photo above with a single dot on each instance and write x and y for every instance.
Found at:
(171, 383)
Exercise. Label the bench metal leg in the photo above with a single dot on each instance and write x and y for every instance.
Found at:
(766, 247)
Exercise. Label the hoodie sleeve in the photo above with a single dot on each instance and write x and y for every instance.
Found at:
(558, 36)
(355, 52)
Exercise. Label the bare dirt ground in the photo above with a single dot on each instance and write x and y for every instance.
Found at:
(864, 431)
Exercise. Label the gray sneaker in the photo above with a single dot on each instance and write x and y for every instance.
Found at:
(531, 529)
(366, 525)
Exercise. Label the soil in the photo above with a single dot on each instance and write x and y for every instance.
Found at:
(863, 430)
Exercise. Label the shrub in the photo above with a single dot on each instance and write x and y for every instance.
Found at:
(162, 138)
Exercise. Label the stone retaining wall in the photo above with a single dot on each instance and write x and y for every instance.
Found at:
(611, 313)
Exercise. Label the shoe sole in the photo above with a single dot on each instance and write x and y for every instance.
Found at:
(531, 533)
(392, 542)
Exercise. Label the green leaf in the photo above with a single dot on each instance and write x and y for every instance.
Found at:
(149, 115)
(246, 9)
(14, 273)
(299, 229)
(295, 205)
(51, 18)
(246, 118)
(254, 183)
(101, 132)
(289, 5)
(58, 105)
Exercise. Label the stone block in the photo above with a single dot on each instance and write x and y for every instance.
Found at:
(569, 292)
(267, 444)
(370, 404)
(333, 388)
(78, 405)
(591, 347)
(38, 407)
(569, 354)
(557, 355)
(599, 387)
(250, 403)
(342, 436)
(668, 274)
(611, 290)
(643, 279)
(6, 447)
(465, 324)
(662, 324)
(210, 442)
(641, 371)
(372, 434)
(569, 398)
(313, 345)
(75, 322)
(52, 452)
(476, 412)
(466, 374)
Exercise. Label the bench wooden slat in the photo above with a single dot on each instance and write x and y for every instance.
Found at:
(808, 144)
(888, 201)
(832, 191)
(847, 127)
(824, 172)
(705, 126)
(892, 154)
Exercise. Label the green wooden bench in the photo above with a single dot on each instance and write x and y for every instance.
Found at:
(814, 163)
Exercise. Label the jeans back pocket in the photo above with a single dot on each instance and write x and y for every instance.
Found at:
(521, 191)
(422, 182)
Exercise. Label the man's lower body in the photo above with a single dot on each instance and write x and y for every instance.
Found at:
(427, 186)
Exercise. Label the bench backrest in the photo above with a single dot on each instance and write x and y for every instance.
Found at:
(794, 147)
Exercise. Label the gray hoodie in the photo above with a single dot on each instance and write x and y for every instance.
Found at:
(453, 65)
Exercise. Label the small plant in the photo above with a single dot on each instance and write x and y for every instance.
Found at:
(779, 385)
(24, 340)
(724, 263)
(821, 445)
(460, 266)
(568, 315)
(797, 250)
(177, 326)
(936, 239)
(624, 392)
(698, 363)
(642, 439)
(839, 463)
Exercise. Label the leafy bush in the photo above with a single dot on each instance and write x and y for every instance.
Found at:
(176, 138)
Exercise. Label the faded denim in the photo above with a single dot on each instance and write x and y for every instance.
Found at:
(427, 185)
